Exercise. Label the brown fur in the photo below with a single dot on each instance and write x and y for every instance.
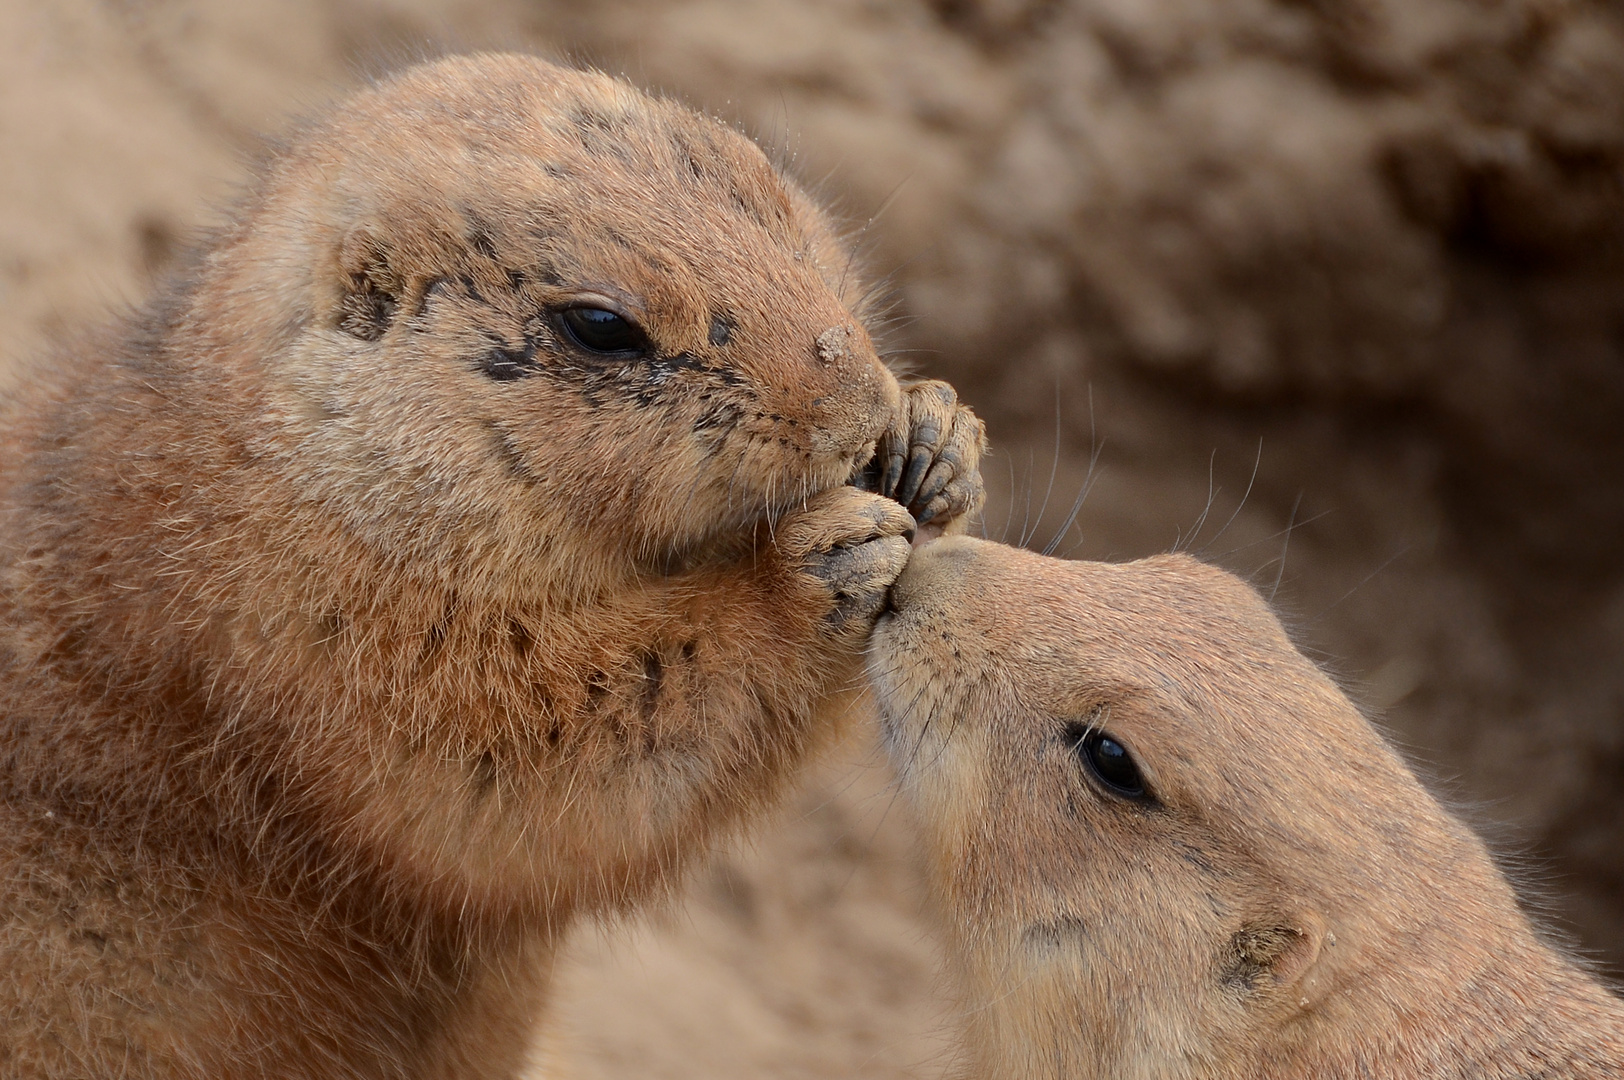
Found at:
(358, 628)
(1290, 903)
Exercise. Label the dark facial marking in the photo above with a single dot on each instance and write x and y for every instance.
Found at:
(769, 217)
(546, 274)
(746, 207)
(511, 456)
(597, 131)
(1197, 858)
(586, 118)
(367, 309)
(1050, 937)
(721, 414)
(689, 155)
(721, 330)
(649, 382)
(472, 290)
(666, 366)
(503, 363)
(481, 241)
(371, 295)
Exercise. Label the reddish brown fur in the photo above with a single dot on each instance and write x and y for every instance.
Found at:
(357, 629)
(1293, 904)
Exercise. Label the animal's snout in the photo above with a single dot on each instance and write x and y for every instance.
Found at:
(933, 570)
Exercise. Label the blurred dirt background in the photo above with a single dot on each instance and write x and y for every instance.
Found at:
(1358, 261)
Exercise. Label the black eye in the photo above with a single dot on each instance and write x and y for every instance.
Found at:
(601, 331)
(1111, 764)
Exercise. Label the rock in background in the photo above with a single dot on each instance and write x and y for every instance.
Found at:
(1360, 262)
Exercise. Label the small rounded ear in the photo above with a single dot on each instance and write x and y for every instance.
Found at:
(1274, 954)
(371, 287)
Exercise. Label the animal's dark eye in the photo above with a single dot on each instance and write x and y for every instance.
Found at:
(1109, 762)
(602, 331)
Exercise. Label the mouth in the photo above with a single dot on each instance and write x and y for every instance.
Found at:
(819, 473)
(889, 609)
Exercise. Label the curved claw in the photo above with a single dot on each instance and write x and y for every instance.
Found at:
(895, 460)
(928, 459)
(941, 474)
(918, 464)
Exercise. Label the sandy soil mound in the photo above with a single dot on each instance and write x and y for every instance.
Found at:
(1361, 261)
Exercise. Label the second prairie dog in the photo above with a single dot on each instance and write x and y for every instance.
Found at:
(461, 544)
(1165, 845)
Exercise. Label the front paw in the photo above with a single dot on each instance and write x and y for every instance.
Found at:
(929, 460)
(849, 545)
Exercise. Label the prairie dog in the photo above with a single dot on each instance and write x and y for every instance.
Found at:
(461, 544)
(1164, 844)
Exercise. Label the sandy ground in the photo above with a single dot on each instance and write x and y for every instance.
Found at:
(1361, 261)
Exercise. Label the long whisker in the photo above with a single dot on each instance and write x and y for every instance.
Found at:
(1089, 480)
(1054, 467)
(1389, 561)
(1272, 536)
(1096, 446)
(1256, 461)
(1212, 495)
(1026, 516)
(855, 242)
(1009, 511)
(1284, 545)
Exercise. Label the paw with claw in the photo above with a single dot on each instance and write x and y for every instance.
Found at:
(849, 546)
(929, 460)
